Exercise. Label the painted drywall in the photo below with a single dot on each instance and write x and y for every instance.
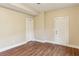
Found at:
(73, 14)
(12, 27)
(39, 26)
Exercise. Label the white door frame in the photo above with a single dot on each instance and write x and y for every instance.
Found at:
(67, 20)
(29, 29)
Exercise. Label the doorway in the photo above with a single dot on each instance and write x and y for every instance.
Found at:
(61, 30)
(29, 29)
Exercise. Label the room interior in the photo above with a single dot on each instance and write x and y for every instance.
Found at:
(39, 29)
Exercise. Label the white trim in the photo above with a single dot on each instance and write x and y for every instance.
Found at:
(19, 8)
(10, 47)
(68, 45)
(66, 35)
(29, 27)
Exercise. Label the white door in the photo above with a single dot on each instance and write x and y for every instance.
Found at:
(29, 29)
(61, 30)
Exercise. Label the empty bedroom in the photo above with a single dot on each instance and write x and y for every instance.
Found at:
(39, 29)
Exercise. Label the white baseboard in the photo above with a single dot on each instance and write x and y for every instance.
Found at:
(10, 47)
(68, 45)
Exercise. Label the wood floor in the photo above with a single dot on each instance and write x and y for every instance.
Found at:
(41, 49)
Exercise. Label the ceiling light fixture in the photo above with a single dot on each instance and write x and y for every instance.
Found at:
(37, 3)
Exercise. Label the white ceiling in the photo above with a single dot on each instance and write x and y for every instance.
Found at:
(19, 8)
(34, 8)
(49, 6)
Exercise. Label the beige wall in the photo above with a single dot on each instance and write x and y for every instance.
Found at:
(73, 14)
(39, 26)
(12, 27)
